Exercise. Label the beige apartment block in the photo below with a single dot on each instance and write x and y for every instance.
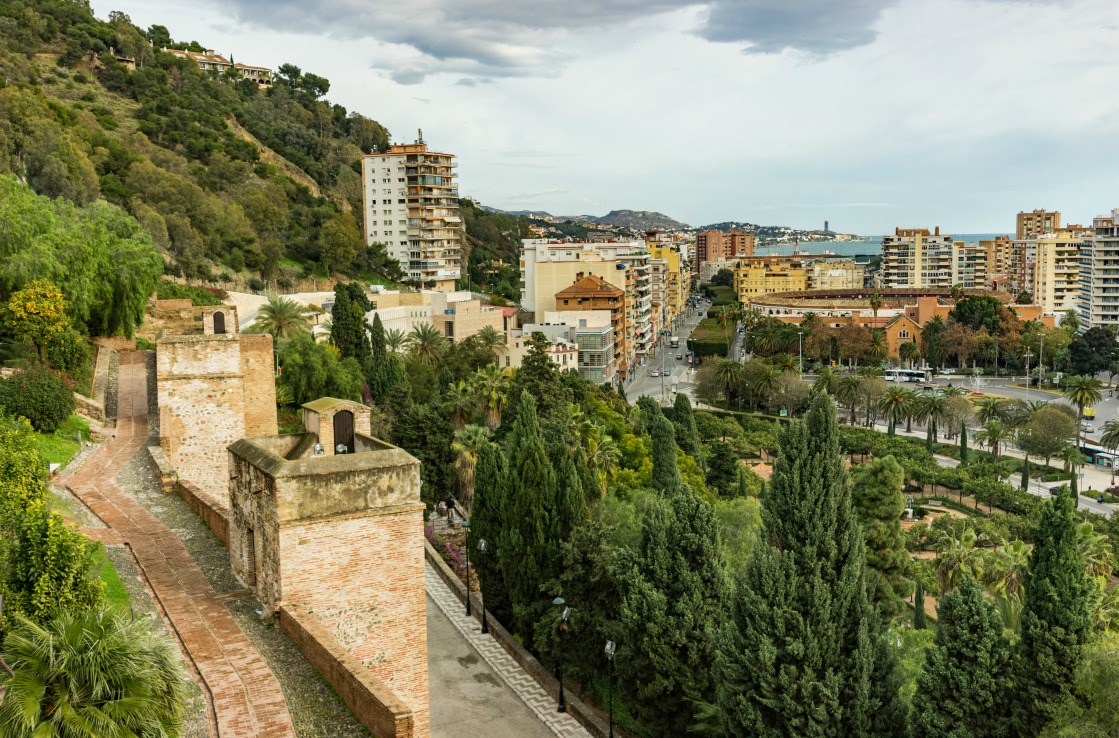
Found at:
(1048, 267)
(1099, 277)
(834, 274)
(1036, 223)
(411, 206)
(761, 275)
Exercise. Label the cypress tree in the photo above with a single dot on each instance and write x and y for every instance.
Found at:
(526, 545)
(963, 445)
(1056, 620)
(674, 588)
(919, 607)
(347, 319)
(687, 436)
(1026, 475)
(722, 468)
(962, 687)
(879, 503)
(665, 474)
(487, 521)
(929, 437)
(743, 488)
(803, 653)
(649, 410)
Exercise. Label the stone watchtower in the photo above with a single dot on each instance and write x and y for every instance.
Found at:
(330, 521)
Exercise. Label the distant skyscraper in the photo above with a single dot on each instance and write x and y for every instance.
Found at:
(826, 229)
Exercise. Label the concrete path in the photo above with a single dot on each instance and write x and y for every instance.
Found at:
(474, 702)
(246, 697)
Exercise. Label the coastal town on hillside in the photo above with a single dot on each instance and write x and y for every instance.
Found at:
(300, 439)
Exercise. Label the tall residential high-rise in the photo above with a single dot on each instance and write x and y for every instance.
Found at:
(913, 257)
(1099, 274)
(716, 245)
(411, 206)
(1033, 224)
(1048, 267)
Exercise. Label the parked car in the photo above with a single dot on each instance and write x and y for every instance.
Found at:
(948, 371)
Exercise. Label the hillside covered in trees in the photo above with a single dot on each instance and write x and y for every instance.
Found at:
(232, 183)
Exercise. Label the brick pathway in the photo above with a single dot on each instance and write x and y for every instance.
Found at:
(246, 697)
(524, 686)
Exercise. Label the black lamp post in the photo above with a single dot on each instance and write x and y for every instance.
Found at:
(560, 602)
(466, 548)
(610, 648)
(485, 623)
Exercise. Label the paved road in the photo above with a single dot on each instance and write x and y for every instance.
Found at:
(676, 369)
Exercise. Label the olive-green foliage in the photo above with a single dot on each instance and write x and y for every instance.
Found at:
(802, 652)
(1092, 711)
(487, 519)
(424, 431)
(313, 370)
(347, 330)
(1056, 621)
(38, 394)
(964, 685)
(98, 256)
(879, 503)
(198, 296)
(91, 673)
(47, 567)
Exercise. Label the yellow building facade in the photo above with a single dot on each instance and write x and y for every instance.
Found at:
(762, 276)
(677, 284)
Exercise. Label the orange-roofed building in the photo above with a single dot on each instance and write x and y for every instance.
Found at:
(591, 292)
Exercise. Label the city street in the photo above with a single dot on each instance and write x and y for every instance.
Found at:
(677, 369)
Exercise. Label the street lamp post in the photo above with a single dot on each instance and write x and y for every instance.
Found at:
(466, 548)
(800, 351)
(560, 602)
(610, 648)
(485, 623)
(1028, 355)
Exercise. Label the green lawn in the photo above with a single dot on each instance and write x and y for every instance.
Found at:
(115, 592)
(59, 447)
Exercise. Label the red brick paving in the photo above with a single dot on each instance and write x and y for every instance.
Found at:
(247, 698)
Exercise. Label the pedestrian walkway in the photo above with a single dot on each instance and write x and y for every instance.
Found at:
(245, 696)
(523, 686)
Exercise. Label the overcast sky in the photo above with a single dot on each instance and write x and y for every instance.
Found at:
(868, 113)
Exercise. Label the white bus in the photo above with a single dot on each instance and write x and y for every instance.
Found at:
(674, 342)
(908, 375)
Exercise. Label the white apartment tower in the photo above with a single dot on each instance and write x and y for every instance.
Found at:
(1099, 274)
(411, 206)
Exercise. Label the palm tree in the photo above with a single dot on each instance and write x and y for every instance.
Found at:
(909, 352)
(878, 345)
(913, 408)
(894, 405)
(491, 383)
(1005, 571)
(730, 375)
(994, 434)
(956, 555)
(990, 408)
(875, 305)
(490, 339)
(427, 344)
(1095, 550)
(395, 340)
(466, 446)
(1071, 457)
(932, 409)
(848, 391)
(459, 400)
(765, 382)
(825, 380)
(785, 362)
(1109, 439)
(91, 674)
(1082, 392)
(602, 455)
(281, 317)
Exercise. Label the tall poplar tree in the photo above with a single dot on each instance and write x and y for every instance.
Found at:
(674, 588)
(962, 687)
(803, 653)
(1056, 618)
(876, 492)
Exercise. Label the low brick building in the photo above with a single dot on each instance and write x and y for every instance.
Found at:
(329, 521)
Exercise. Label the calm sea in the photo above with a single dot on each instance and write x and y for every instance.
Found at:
(872, 247)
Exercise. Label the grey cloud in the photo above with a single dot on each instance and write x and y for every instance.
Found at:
(486, 39)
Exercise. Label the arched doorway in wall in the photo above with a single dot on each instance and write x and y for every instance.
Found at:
(344, 431)
(219, 321)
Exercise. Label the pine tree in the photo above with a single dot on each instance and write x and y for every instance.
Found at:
(919, 622)
(487, 521)
(962, 687)
(527, 545)
(963, 445)
(803, 653)
(876, 492)
(1056, 621)
(687, 436)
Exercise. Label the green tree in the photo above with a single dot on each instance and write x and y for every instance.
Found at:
(979, 311)
(1047, 431)
(466, 447)
(1082, 392)
(339, 243)
(665, 473)
(919, 606)
(1056, 622)
(722, 468)
(964, 455)
(423, 430)
(877, 497)
(36, 314)
(38, 394)
(91, 673)
(687, 437)
(487, 521)
(1093, 352)
(427, 344)
(895, 405)
(539, 376)
(491, 383)
(312, 370)
(347, 323)
(963, 687)
(282, 318)
(803, 653)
